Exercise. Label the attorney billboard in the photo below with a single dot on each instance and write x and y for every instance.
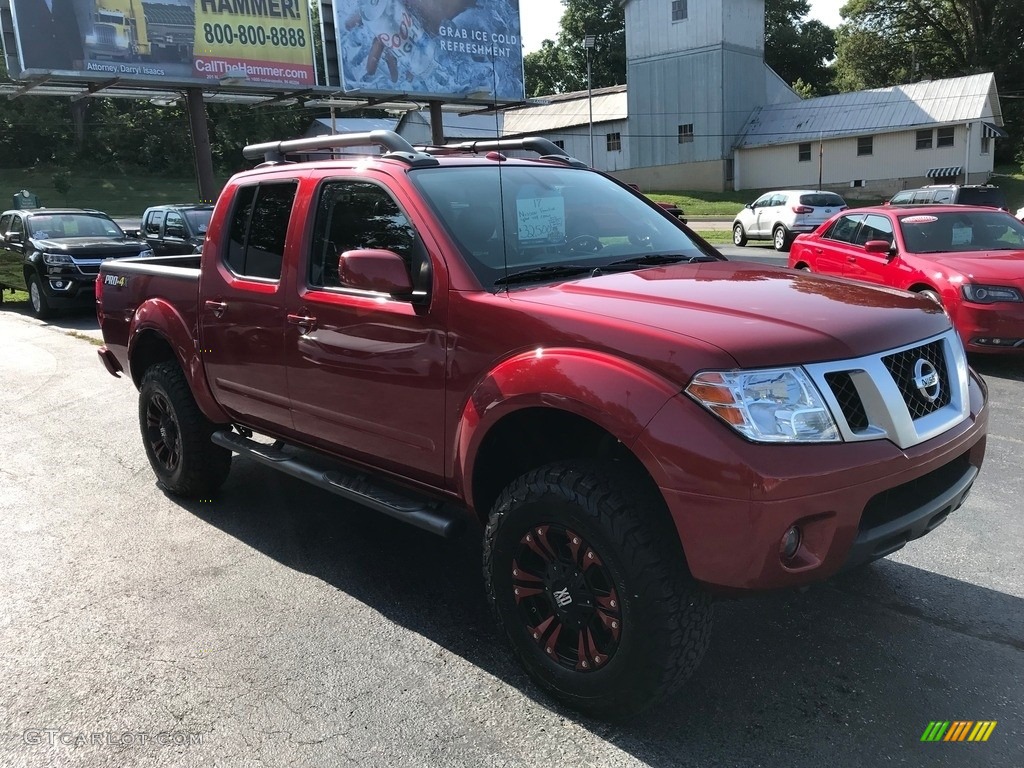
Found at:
(263, 43)
(443, 49)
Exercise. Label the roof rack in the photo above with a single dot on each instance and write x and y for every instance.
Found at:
(547, 150)
(397, 147)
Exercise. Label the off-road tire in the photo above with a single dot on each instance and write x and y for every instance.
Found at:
(37, 298)
(176, 435)
(665, 617)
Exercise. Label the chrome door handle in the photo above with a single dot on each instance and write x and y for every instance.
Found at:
(217, 307)
(305, 323)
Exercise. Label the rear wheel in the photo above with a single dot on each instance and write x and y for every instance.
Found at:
(780, 238)
(40, 306)
(591, 591)
(177, 435)
(739, 237)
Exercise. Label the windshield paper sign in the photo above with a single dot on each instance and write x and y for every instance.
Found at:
(436, 48)
(240, 42)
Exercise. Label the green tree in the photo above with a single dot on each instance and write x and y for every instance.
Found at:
(562, 67)
(798, 49)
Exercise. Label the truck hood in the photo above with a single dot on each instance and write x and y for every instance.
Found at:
(91, 247)
(759, 315)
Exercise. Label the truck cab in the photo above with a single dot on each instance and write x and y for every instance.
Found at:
(176, 229)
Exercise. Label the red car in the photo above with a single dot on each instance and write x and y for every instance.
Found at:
(971, 260)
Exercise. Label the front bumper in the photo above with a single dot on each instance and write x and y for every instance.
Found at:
(733, 501)
(991, 328)
(67, 287)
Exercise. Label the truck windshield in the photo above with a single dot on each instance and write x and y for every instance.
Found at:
(54, 226)
(520, 218)
(199, 219)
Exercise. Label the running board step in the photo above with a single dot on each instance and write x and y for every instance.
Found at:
(433, 516)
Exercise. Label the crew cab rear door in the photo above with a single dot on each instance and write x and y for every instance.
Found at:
(242, 304)
(366, 370)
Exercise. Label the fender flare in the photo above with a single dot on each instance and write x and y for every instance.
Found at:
(159, 316)
(617, 395)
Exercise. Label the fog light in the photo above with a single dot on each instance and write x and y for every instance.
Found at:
(790, 543)
(58, 284)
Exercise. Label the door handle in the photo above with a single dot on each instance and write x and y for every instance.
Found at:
(852, 259)
(305, 323)
(217, 307)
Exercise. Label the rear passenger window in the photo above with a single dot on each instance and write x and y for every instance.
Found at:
(944, 196)
(844, 228)
(259, 223)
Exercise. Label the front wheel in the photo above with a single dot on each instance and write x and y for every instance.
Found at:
(930, 294)
(739, 237)
(586, 577)
(40, 306)
(177, 435)
(780, 238)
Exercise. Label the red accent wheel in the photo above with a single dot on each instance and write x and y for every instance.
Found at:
(566, 598)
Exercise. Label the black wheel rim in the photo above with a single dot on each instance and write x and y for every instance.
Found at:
(162, 432)
(566, 598)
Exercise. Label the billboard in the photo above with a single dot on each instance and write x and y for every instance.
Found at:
(442, 49)
(262, 43)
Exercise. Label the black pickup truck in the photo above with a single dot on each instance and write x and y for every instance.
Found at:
(176, 229)
(55, 254)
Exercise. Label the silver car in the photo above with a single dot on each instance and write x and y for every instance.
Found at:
(782, 215)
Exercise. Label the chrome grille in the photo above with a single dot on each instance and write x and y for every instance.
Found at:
(850, 403)
(876, 397)
(901, 366)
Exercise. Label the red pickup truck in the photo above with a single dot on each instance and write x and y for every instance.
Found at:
(634, 423)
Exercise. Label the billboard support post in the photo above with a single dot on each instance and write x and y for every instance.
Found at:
(201, 144)
(436, 124)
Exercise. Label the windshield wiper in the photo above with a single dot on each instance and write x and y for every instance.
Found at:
(543, 273)
(655, 259)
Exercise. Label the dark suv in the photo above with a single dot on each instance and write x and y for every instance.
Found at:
(176, 229)
(956, 194)
(55, 253)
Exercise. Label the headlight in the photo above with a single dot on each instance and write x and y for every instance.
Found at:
(990, 294)
(768, 406)
(147, 252)
(58, 259)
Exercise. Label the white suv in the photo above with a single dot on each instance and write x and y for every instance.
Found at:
(782, 215)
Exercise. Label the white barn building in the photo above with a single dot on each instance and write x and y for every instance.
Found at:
(703, 111)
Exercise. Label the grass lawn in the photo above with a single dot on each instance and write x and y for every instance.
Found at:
(117, 192)
(1009, 178)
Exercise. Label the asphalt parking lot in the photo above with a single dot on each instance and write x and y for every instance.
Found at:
(276, 625)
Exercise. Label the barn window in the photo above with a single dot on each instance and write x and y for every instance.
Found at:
(804, 153)
(865, 145)
(678, 10)
(686, 133)
(944, 136)
(924, 139)
(613, 142)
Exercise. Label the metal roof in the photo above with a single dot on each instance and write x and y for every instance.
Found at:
(353, 124)
(459, 126)
(567, 110)
(881, 110)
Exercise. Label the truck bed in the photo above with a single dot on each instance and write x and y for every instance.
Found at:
(170, 282)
